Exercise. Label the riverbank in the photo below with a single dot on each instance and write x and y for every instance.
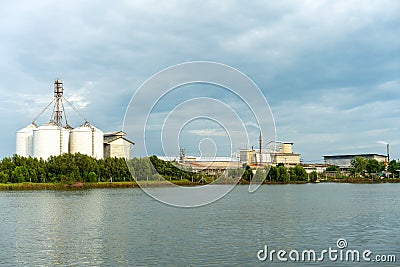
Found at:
(83, 186)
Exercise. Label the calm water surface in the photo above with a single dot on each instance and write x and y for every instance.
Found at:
(125, 227)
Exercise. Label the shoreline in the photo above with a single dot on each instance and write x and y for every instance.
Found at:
(135, 184)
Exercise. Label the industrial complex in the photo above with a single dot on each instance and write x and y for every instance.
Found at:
(279, 152)
(57, 136)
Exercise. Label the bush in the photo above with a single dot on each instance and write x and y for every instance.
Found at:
(298, 173)
(3, 177)
(313, 176)
(19, 174)
(332, 168)
(92, 177)
(283, 175)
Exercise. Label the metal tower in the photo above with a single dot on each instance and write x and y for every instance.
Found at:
(58, 114)
(182, 154)
(58, 106)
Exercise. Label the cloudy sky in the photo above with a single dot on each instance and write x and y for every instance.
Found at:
(330, 70)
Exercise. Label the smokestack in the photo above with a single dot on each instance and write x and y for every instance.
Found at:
(388, 154)
(260, 147)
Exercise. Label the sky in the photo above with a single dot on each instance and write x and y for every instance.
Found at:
(330, 70)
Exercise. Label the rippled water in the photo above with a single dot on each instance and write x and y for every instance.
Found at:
(125, 227)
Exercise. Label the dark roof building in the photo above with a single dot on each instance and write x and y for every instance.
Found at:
(344, 161)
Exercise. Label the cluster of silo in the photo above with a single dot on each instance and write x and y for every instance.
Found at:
(51, 140)
(54, 138)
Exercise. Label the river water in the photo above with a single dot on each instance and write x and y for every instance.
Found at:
(125, 227)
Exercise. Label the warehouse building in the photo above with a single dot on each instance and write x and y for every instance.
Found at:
(344, 161)
(117, 145)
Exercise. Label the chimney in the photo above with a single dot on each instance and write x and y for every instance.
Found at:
(388, 154)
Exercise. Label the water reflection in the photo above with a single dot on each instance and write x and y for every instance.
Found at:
(125, 227)
(59, 228)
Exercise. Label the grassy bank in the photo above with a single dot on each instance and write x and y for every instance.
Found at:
(362, 180)
(61, 186)
(183, 182)
(82, 186)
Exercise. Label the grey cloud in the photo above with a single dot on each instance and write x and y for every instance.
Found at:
(329, 69)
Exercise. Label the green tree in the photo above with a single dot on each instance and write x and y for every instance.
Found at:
(393, 167)
(373, 166)
(235, 173)
(19, 174)
(259, 176)
(272, 174)
(358, 165)
(92, 177)
(332, 168)
(283, 175)
(7, 165)
(248, 174)
(298, 173)
(313, 176)
(3, 177)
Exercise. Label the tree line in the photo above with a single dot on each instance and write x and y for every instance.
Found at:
(153, 168)
(278, 173)
(70, 168)
(371, 167)
(66, 168)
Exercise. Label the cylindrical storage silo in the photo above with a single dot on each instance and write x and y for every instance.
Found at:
(24, 141)
(50, 140)
(87, 139)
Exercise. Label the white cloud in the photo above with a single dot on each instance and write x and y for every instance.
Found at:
(208, 132)
(78, 101)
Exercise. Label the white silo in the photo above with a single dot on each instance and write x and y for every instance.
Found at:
(24, 141)
(50, 140)
(87, 139)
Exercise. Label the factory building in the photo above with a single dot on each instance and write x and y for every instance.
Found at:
(209, 165)
(57, 137)
(344, 161)
(281, 153)
(116, 145)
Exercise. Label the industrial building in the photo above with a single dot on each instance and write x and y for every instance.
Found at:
(116, 145)
(344, 161)
(208, 165)
(281, 153)
(57, 136)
